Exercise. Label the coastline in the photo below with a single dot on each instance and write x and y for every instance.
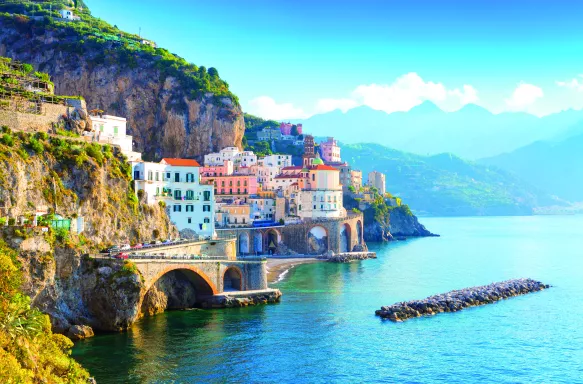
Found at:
(277, 269)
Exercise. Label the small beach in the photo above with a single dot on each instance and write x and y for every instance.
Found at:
(278, 268)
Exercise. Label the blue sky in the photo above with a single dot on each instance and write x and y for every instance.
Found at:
(291, 59)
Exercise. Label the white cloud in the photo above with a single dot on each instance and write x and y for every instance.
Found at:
(267, 108)
(403, 94)
(575, 83)
(524, 96)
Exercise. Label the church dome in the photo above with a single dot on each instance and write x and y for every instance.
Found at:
(318, 160)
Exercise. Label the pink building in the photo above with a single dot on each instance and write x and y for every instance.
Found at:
(218, 170)
(285, 128)
(330, 151)
(300, 129)
(233, 184)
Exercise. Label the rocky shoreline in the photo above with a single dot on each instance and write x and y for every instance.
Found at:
(351, 256)
(242, 299)
(457, 300)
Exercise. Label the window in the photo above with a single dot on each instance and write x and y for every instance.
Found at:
(245, 183)
(157, 191)
(235, 220)
(243, 220)
(207, 220)
(168, 176)
(207, 195)
(206, 208)
(230, 191)
(222, 183)
(313, 177)
(230, 183)
(178, 194)
(101, 127)
(157, 176)
(190, 208)
(238, 183)
(314, 206)
(115, 130)
(189, 195)
(177, 208)
(176, 177)
(300, 207)
(189, 178)
(150, 175)
(321, 206)
(238, 190)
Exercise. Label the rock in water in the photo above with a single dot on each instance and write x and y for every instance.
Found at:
(457, 300)
(80, 332)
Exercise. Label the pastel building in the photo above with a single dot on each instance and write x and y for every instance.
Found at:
(232, 184)
(233, 215)
(377, 180)
(287, 128)
(276, 161)
(239, 158)
(330, 151)
(268, 134)
(189, 202)
(112, 129)
(225, 169)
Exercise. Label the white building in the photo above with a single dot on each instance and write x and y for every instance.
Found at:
(239, 159)
(112, 130)
(68, 15)
(276, 161)
(377, 180)
(176, 182)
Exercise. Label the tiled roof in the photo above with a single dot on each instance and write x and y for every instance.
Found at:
(291, 168)
(181, 162)
(297, 176)
(322, 167)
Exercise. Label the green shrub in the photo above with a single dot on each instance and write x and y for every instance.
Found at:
(36, 146)
(7, 139)
(22, 152)
(62, 235)
(94, 151)
(11, 221)
(42, 135)
(5, 129)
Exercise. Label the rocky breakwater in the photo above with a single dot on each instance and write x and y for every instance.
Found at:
(351, 256)
(243, 298)
(457, 300)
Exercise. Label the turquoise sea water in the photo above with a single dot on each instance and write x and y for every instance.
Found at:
(325, 330)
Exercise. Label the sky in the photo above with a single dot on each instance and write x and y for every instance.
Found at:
(293, 59)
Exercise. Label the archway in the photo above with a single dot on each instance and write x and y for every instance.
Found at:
(272, 239)
(244, 243)
(258, 242)
(232, 280)
(177, 289)
(359, 232)
(345, 238)
(317, 240)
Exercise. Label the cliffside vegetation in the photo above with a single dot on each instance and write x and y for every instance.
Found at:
(173, 108)
(29, 351)
(90, 34)
(72, 178)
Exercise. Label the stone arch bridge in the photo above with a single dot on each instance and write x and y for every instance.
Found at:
(310, 237)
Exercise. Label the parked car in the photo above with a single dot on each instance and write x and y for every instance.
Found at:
(113, 249)
(138, 246)
(167, 242)
(125, 247)
(122, 256)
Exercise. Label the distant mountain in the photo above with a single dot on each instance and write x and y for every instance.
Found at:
(471, 132)
(554, 167)
(445, 185)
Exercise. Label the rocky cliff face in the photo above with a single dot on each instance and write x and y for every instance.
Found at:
(76, 180)
(399, 223)
(163, 117)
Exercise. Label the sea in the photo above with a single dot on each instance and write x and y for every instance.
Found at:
(325, 329)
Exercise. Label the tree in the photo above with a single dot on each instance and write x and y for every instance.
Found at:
(213, 72)
(294, 130)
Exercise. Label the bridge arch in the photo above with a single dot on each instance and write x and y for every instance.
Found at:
(318, 242)
(193, 273)
(345, 237)
(244, 243)
(232, 279)
(272, 238)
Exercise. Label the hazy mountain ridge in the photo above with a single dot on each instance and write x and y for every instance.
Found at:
(554, 167)
(446, 185)
(471, 132)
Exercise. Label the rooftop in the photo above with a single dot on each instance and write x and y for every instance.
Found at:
(180, 162)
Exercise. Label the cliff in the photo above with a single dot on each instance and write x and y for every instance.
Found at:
(174, 108)
(77, 181)
(383, 222)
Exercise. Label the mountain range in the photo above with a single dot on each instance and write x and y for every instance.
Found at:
(446, 185)
(555, 167)
(471, 132)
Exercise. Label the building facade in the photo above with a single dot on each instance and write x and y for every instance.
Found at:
(239, 158)
(377, 180)
(330, 151)
(112, 129)
(189, 202)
